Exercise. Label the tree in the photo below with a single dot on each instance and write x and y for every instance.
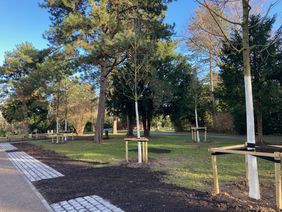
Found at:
(78, 99)
(264, 57)
(96, 31)
(254, 191)
(81, 104)
(24, 73)
(205, 39)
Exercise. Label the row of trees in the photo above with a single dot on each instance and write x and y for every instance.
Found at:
(123, 46)
(142, 67)
(37, 92)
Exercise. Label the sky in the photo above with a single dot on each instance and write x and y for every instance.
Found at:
(24, 20)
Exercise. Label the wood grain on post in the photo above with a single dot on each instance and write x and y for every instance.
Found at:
(215, 174)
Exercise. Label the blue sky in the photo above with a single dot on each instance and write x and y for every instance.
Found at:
(24, 20)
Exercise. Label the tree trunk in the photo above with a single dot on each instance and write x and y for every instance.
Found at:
(147, 132)
(212, 88)
(129, 125)
(254, 190)
(25, 114)
(101, 109)
(115, 126)
(144, 122)
(80, 130)
(57, 128)
(66, 129)
(137, 119)
(197, 124)
(260, 139)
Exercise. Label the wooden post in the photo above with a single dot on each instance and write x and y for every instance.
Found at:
(192, 133)
(246, 170)
(146, 158)
(215, 174)
(143, 152)
(278, 180)
(126, 151)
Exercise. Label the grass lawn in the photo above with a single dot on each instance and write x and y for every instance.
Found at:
(186, 164)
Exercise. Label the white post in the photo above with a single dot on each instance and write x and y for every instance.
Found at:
(197, 125)
(137, 119)
(57, 128)
(138, 133)
(66, 129)
(254, 191)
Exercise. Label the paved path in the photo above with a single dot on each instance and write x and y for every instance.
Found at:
(33, 169)
(7, 147)
(17, 194)
(82, 204)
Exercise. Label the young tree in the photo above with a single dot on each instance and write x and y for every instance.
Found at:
(254, 191)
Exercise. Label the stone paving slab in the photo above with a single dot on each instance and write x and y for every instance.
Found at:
(32, 168)
(7, 147)
(88, 203)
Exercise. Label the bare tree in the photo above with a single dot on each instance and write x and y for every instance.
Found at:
(136, 70)
(205, 39)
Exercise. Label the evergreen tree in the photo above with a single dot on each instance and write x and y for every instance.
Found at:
(97, 32)
(265, 60)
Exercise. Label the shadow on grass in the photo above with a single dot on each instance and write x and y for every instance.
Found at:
(153, 150)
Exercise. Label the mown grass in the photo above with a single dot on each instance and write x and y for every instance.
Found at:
(187, 164)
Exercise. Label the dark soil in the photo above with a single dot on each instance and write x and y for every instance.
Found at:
(132, 189)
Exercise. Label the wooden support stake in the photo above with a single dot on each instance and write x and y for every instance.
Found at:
(205, 134)
(215, 174)
(146, 158)
(246, 170)
(278, 181)
(143, 152)
(126, 151)
(192, 133)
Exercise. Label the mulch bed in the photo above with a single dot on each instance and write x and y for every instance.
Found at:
(132, 189)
